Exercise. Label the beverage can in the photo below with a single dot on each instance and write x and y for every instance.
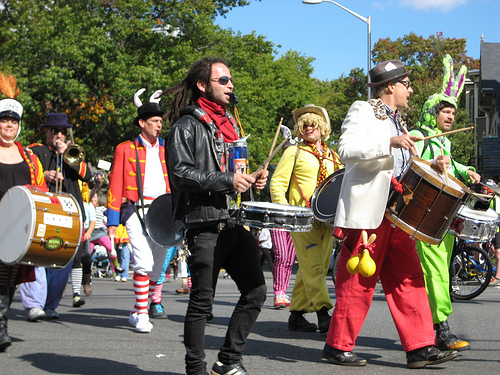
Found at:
(240, 156)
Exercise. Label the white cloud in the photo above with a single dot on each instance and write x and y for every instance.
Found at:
(445, 5)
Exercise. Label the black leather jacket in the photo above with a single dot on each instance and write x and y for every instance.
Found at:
(194, 159)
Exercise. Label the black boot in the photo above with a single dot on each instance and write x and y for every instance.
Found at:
(445, 340)
(5, 340)
(297, 322)
(324, 319)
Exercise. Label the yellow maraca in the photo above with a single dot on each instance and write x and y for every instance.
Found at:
(363, 262)
(367, 266)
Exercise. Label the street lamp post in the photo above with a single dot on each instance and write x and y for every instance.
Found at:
(367, 20)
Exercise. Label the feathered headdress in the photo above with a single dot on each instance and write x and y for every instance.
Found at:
(450, 91)
(10, 107)
(8, 86)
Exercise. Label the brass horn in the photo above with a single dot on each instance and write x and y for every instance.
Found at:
(74, 154)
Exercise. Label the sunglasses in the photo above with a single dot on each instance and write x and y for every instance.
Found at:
(406, 84)
(222, 80)
(63, 131)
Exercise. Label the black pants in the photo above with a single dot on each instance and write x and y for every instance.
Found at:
(83, 259)
(237, 251)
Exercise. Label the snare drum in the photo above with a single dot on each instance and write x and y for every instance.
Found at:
(39, 228)
(277, 216)
(325, 198)
(428, 203)
(474, 225)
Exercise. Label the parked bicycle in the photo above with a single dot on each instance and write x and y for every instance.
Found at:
(470, 270)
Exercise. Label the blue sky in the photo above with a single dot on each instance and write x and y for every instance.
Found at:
(338, 40)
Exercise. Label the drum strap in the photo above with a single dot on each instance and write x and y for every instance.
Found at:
(139, 188)
(308, 202)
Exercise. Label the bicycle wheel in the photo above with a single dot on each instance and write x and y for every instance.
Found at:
(470, 272)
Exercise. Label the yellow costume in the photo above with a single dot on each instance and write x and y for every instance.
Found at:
(314, 248)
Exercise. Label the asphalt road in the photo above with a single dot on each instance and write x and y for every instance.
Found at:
(97, 339)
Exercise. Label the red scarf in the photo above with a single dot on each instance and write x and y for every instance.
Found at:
(218, 115)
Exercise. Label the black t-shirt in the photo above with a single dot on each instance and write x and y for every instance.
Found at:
(12, 175)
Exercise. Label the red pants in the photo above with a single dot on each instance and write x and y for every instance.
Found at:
(398, 267)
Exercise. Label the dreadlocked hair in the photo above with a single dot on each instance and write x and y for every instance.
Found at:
(8, 85)
(186, 92)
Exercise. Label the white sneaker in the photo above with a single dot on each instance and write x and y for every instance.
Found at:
(143, 324)
(118, 278)
(133, 319)
(35, 314)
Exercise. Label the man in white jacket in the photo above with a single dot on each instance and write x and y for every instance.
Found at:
(375, 149)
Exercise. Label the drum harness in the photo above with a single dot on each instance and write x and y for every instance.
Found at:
(307, 200)
(427, 144)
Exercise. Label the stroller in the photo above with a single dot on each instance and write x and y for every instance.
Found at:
(101, 266)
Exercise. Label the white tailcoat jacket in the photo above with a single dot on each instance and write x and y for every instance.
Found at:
(364, 148)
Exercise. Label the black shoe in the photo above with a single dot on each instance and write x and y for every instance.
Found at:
(339, 357)
(324, 319)
(429, 355)
(445, 340)
(119, 270)
(77, 300)
(297, 322)
(156, 311)
(5, 341)
(221, 369)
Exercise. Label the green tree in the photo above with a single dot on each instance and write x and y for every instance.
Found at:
(89, 58)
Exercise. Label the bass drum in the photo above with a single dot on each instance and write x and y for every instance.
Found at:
(325, 199)
(39, 228)
(160, 223)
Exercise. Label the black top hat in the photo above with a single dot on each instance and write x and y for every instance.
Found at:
(148, 110)
(387, 71)
(57, 120)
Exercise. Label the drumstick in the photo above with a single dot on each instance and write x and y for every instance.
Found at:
(274, 141)
(445, 171)
(280, 146)
(237, 116)
(446, 133)
(413, 150)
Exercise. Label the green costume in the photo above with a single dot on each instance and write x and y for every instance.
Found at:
(435, 259)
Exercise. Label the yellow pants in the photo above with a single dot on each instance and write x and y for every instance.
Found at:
(314, 250)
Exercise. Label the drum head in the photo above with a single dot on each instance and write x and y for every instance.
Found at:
(160, 223)
(17, 219)
(325, 198)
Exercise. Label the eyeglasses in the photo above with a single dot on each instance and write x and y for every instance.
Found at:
(63, 131)
(222, 80)
(406, 84)
(310, 126)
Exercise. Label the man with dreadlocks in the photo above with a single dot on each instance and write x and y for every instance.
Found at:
(438, 116)
(200, 185)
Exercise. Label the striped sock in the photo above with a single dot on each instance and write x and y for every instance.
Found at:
(155, 291)
(141, 286)
(76, 279)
